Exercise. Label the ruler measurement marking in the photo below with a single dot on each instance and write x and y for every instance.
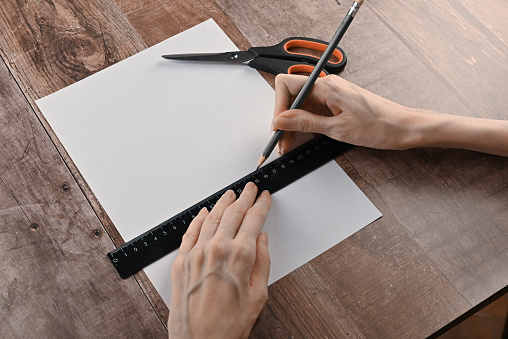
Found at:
(144, 250)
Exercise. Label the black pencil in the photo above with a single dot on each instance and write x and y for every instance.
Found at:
(313, 76)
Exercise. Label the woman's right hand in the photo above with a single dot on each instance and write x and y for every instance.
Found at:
(342, 111)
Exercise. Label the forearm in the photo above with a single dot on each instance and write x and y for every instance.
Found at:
(431, 129)
(362, 118)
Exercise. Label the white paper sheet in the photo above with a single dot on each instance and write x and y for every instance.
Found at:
(152, 137)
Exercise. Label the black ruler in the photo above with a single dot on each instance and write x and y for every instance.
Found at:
(167, 236)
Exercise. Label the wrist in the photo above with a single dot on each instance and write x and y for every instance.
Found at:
(428, 129)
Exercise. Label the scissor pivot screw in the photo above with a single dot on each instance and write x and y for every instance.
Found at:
(234, 56)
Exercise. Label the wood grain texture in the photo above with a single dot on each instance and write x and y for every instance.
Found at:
(451, 202)
(466, 56)
(56, 43)
(384, 280)
(302, 306)
(157, 20)
(439, 250)
(81, 43)
(56, 281)
(457, 214)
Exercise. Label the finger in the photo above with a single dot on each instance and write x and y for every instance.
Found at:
(261, 268)
(191, 235)
(302, 121)
(178, 272)
(286, 142)
(254, 218)
(213, 219)
(235, 213)
(287, 88)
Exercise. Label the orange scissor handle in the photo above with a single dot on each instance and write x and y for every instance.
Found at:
(304, 69)
(277, 66)
(285, 51)
(312, 45)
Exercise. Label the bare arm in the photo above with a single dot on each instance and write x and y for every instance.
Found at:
(349, 113)
(220, 275)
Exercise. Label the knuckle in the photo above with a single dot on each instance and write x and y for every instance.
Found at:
(257, 212)
(213, 218)
(189, 236)
(244, 252)
(330, 80)
(306, 124)
(279, 79)
(216, 249)
(329, 83)
(236, 209)
(325, 80)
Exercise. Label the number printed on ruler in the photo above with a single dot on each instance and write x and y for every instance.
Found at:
(167, 236)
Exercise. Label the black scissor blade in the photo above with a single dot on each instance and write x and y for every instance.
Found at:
(235, 57)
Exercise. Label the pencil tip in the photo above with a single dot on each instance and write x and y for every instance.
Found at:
(261, 161)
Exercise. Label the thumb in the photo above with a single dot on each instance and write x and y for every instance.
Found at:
(261, 268)
(301, 121)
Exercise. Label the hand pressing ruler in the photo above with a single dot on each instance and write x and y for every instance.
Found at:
(167, 236)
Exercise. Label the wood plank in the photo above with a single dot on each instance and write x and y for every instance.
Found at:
(388, 285)
(384, 280)
(85, 43)
(411, 297)
(57, 278)
(457, 212)
(302, 306)
(456, 46)
(53, 44)
(377, 60)
(385, 62)
(157, 20)
(288, 294)
(56, 44)
(381, 60)
(488, 16)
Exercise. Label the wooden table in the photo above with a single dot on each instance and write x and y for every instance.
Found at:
(439, 251)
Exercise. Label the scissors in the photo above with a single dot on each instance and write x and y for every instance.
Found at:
(276, 59)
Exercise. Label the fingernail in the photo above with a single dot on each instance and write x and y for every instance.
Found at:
(281, 151)
(203, 211)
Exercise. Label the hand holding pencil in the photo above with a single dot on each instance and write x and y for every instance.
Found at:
(351, 114)
(313, 76)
